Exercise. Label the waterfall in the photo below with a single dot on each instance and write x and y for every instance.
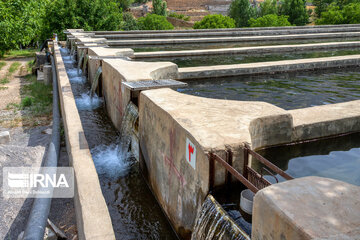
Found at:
(127, 129)
(81, 59)
(212, 222)
(94, 84)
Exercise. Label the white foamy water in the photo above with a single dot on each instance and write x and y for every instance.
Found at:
(109, 162)
(74, 72)
(85, 102)
(78, 79)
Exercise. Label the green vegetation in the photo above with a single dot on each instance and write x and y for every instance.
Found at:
(2, 64)
(241, 11)
(270, 20)
(179, 16)
(129, 22)
(3, 88)
(14, 66)
(335, 14)
(268, 7)
(159, 7)
(20, 53)
(154, 22)
(296, 10)
(5, 80)
(215, 21)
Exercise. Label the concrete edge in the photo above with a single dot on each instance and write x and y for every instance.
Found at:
(90, 205)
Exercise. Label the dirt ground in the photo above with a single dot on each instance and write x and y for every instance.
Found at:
(30, 137)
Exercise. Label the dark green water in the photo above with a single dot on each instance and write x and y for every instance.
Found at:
(194, 61)
(286, 90)
(337, 158)
(180, 47)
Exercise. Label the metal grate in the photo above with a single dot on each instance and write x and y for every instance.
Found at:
(153, 84)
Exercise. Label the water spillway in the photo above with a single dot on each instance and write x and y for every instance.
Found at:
(134, 212)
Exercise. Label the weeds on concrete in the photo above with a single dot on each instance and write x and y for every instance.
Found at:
(2, 64)
(13, 67)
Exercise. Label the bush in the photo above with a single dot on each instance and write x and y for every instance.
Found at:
(154, 22)
(215, 21)
(159, 7)
(268, 7)
(125, 4)
(350, 14)
(26, 102)
(129, 22)
(179, 16)
(270, 20)
(296, 10)
(241, 11)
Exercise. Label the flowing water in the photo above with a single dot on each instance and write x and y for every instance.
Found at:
(195, 61)
(95, 82)
(286, 90)
(134, 212)
(337, 158)
(212, 222)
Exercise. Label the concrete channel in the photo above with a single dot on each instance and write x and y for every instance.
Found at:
(170, 122)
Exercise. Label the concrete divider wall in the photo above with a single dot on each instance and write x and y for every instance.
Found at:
(92, 216)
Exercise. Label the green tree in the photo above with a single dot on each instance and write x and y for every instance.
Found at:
(159, 7)
(270, 20)
(349, 14)
(129, 22)
(125, 4)
(241, 11)
(296, 10)
(268, 7)
(154, 22)
(215, 21)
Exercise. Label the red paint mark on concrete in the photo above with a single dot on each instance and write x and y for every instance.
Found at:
(191, 151)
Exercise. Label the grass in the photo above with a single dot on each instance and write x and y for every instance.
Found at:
(14, 66)
(2, 64)
(3, 88)
(5, 80)
(20, 53)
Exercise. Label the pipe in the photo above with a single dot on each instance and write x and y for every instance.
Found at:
(36, 223)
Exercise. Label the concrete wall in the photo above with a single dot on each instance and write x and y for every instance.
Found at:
(92, 216)
(307, 208)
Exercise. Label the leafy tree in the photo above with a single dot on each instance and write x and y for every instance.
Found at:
(20, 23)
(215, 21)
(350, 14)
(268, 7)
(129, 22)
(296, 10)
(125, 4)
(241, 11)
(159, 7)
(321, 6)
(270, 20)
(154, 22)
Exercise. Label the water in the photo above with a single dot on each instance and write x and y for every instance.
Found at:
(195, 61)
(81, 59)
(212, 222)
(134, 212)
(194, 46)
(95, 82)
(337, 158)
(286, 90)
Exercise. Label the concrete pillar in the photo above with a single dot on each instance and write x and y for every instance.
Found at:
(47, 69)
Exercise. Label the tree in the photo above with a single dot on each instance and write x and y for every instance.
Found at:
(241, 11)
(129, 22)
(159, 7)
(349, 14)
(270, 20)
(215, 21)
(296, 10)
(154, 22)
(268, 7)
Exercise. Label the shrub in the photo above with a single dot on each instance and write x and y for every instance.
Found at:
(241, 11)
(270, 20)
(350, 14)
(268, 7)
(26, 102)
(296, 10)
(129, 22)
(159, 7)
(179, 16)
(215, 21)
(125, 4)
(154, 22)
